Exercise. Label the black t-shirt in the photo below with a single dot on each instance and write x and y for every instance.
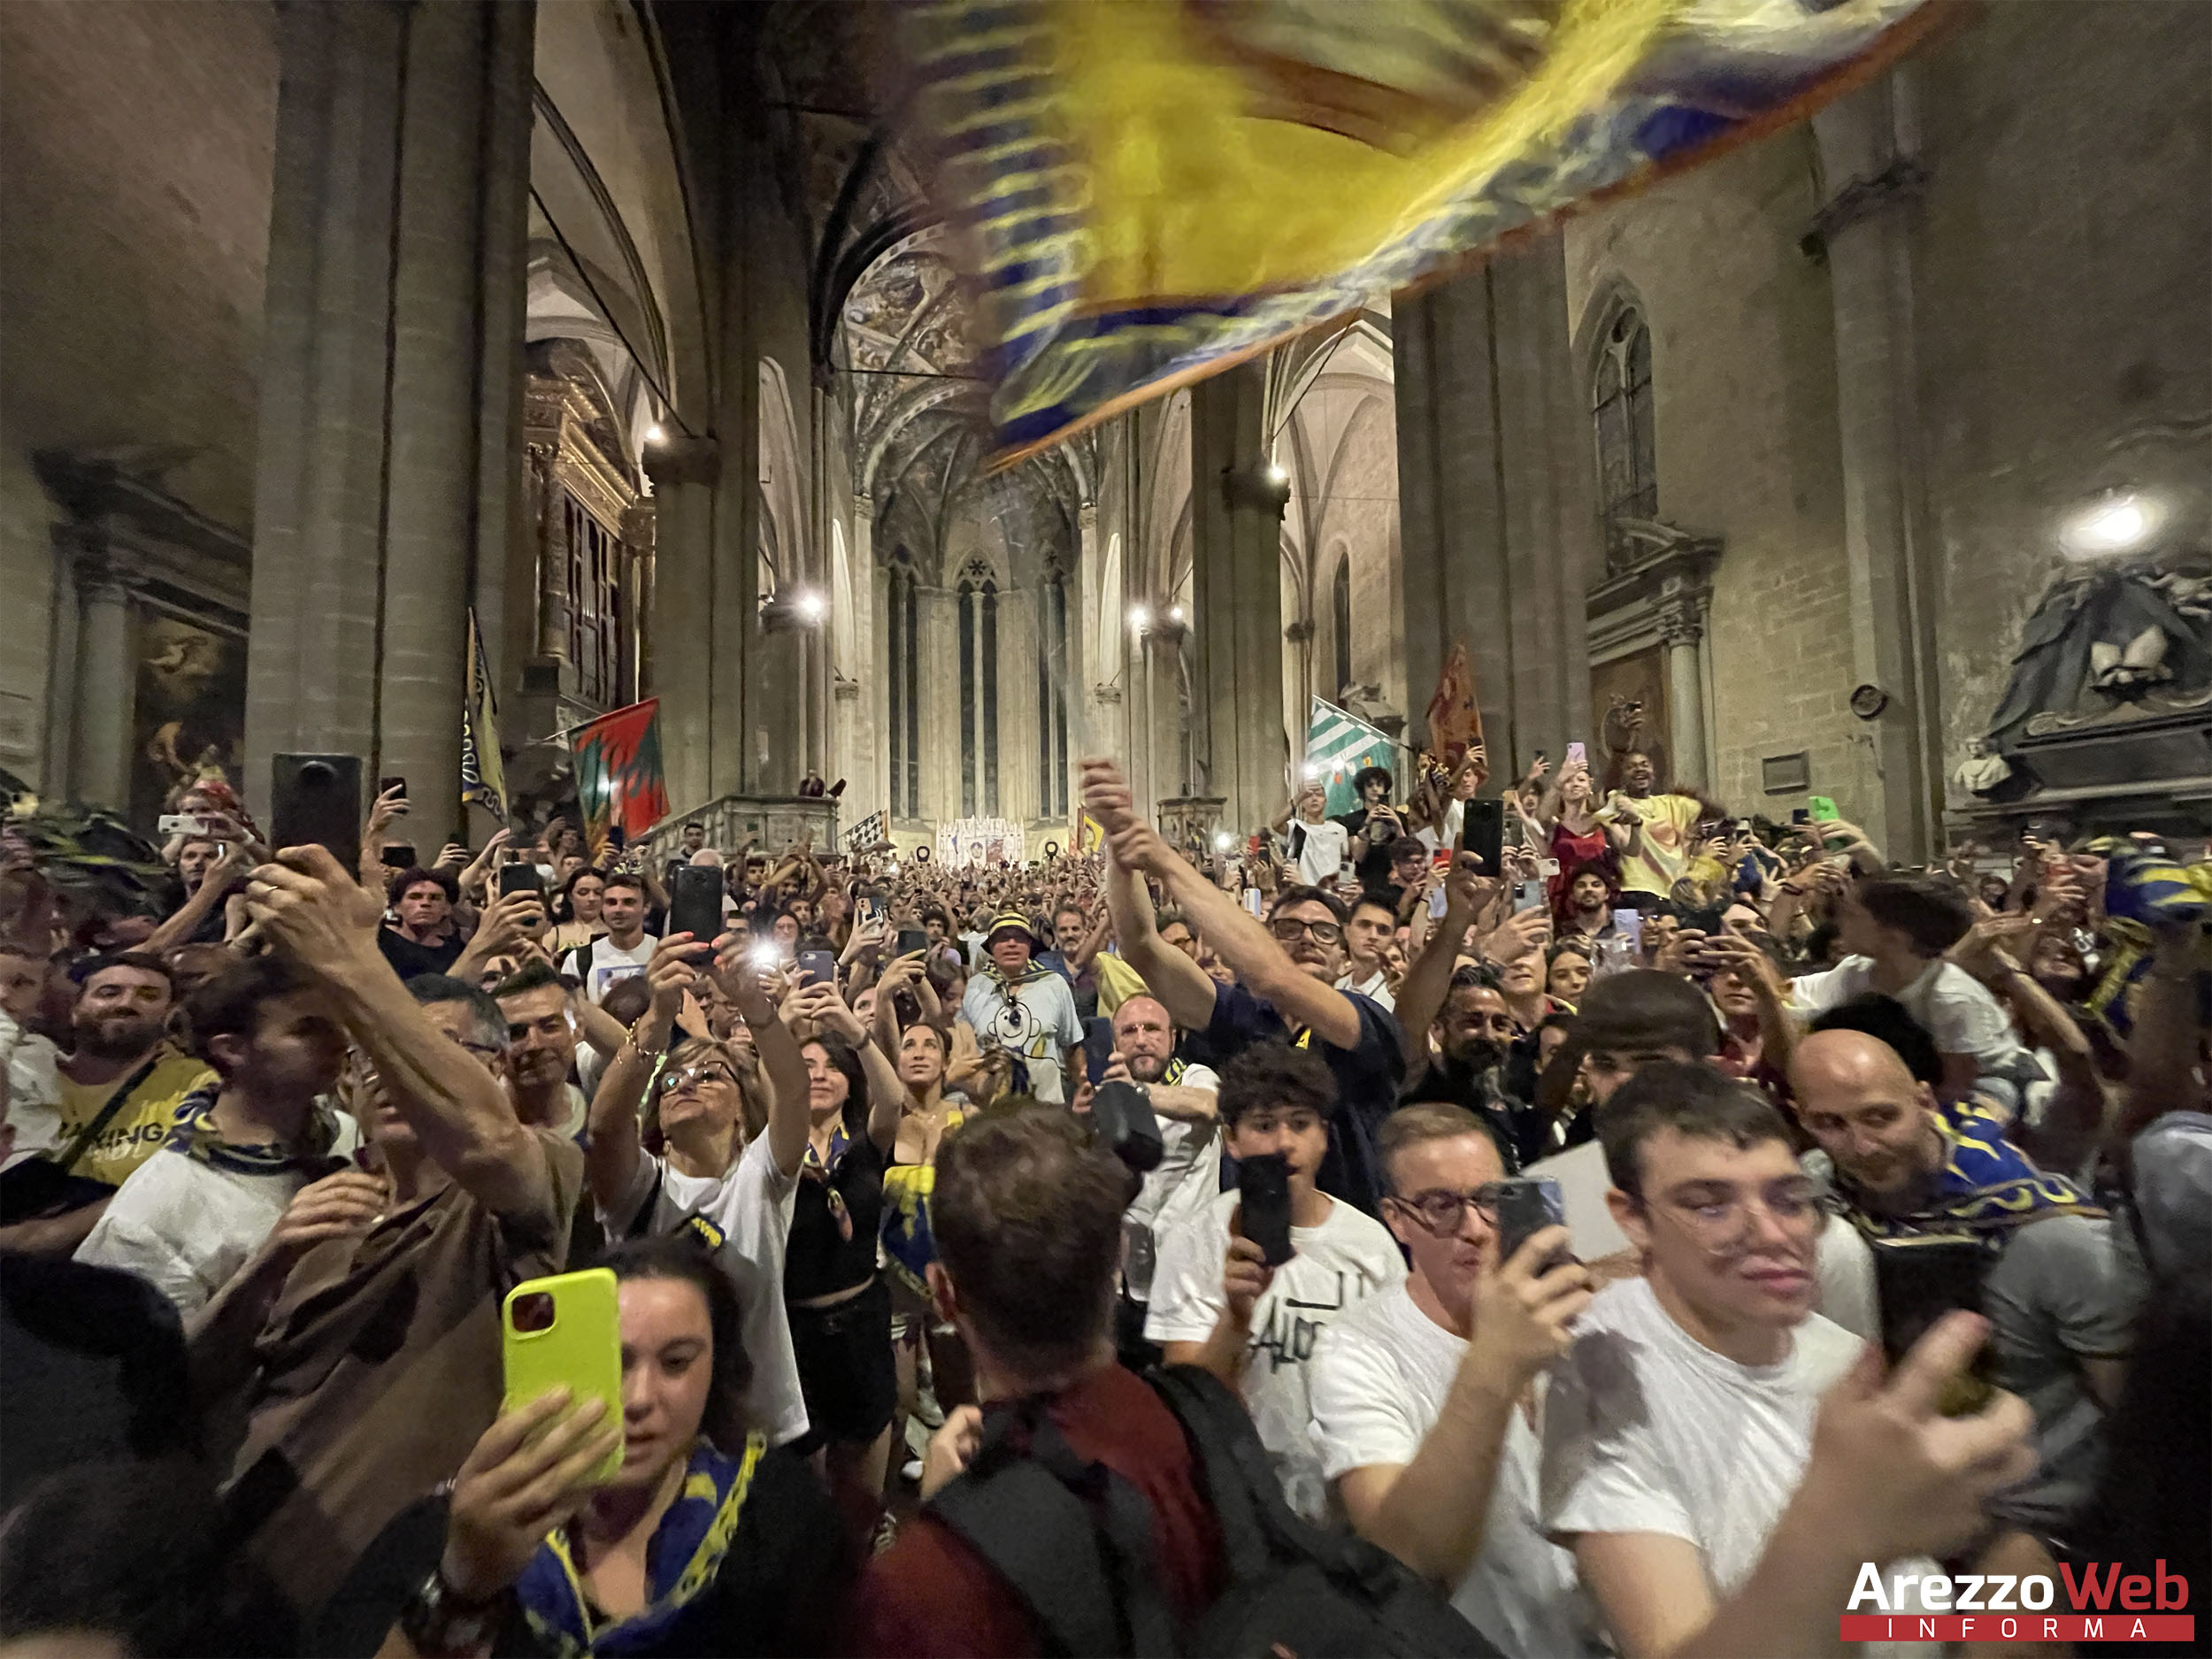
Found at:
(818, 1259)
(411, 961)
(1373, 871)
(1516, 1127)
(1367, 1079)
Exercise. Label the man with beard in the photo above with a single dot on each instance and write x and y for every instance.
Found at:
(1286, 971)
(1182, 1097)
(189, 1217)
(122, 1086)
(1660, 828)
(1589, 915)
(1457, 1027)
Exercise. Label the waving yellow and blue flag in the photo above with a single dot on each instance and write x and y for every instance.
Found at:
(1157, 188)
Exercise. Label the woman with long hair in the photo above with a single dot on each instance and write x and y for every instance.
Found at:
(838, 1306)
(576, 912)
(1579, 840)
(709, 1541)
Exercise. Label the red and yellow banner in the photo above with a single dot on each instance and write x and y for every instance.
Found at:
(618, 779)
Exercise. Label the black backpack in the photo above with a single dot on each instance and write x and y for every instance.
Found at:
(1074, 1540)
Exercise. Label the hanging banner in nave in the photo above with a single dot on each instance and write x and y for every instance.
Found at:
(618, 782)
(1338, 745)
(980, 840)
(1155, 189)
(483, 774)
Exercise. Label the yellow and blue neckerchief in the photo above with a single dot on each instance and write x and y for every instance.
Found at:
(908, 1245)
(1987, 1187)
(687, 1551)
(195, 1136)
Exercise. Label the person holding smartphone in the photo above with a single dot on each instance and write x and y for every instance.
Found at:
(1422, 1393)
(1216, 1303)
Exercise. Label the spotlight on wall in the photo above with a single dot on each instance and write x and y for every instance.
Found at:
(1276, 475)
(654, 434)
(1224, 840)
(801, 607)
(1313, 772)
(2116, 521)
(1175, 613)
(1140, 617)
(1257, 483)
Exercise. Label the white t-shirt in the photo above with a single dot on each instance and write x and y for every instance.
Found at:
(1955, 1008)
(1375, 987)
(1318, 849)
(1186, 1179)
(186, 1225)
(749, 1209)
(607, 964)
(1379, 1377)
(1349, 1257)
(34, 1089)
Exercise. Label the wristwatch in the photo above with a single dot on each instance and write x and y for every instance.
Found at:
(442, 1624)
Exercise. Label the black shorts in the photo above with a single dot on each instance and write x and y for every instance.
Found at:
(846, 1373)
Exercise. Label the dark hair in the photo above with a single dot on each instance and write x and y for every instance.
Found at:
(568, 889)
(1643, 1007)
(1027, 1212)
(1168, 916)
(1407, 847)
(615, 878)
(230, 1004)
(1932, 911)
(441, 879)
(1372, 900)
(1695, 1101)
(531, 976)
(1884, 1019)
(626, 999)
(1292, 896)
(136, 1551)
(1819, 939)
(1366, 774)
(1424, 1121)
(435, 990)
(1274, 1074)
(82, 971)
(938, 914)
(1473, 975)
(686, 1254)
(1570, 948)
(846, 1058)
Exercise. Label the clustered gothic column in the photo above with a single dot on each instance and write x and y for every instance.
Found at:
(1237, 611)
(390, 395)
(853, 753)
(1866, 234)
(1497, 523)
(101, 726)
(684, 472)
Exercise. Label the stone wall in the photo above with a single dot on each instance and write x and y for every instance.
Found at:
(139, 139)
(1743, 376)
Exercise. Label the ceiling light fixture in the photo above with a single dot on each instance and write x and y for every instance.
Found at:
(1140, 617)
(654, 434)
(2117, 521)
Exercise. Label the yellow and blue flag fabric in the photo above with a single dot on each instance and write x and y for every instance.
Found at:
(483, 774)
(1155, 189)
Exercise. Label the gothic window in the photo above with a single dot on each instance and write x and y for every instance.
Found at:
(1340, 617)
(594, 603)
(1052, 697)
(1620, 407)
(978, 690)
(901, 613)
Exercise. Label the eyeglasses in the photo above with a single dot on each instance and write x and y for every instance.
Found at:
(693, 1076)
(1288, 928)
(365, 1069)
(1443, 1211)
(1719, 1220)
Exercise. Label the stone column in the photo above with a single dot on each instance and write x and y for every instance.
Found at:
(938, 650)
(684, 472)
(1682, 633)
(1866, 148)
(106, 687)
(1498, 528)
(1237, 609)
(855, 755)
(637, 594)
(390, 416)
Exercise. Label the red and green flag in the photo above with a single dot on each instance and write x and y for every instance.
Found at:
(618, 781)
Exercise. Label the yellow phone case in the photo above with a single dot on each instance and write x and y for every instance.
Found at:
(581, 1351)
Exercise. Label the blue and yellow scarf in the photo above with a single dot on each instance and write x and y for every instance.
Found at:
(687, 1551)
(196, 1136)
(1987, 1186)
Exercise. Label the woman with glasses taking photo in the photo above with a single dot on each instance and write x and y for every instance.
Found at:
(736, 1196)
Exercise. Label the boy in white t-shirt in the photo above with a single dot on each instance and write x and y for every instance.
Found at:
(1432, 1437)
(1216, 1304)
(1316, 842)
(1721, 1460)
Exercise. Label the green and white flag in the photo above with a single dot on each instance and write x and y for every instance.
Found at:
(1337, 746)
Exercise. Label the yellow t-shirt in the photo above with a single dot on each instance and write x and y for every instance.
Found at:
(140, 1127)
(1669, 822)
(1117, 982)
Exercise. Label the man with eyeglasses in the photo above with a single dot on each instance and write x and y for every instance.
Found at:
(1213, 1302)
(1422, 1393)
(1707, 1509)
(1287, 973)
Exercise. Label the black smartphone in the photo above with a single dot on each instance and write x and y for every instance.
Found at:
(817, 967)
(1482, 832)
(1526, 1206)
(1919, 1280)
(910, 940)
(1098, 1047)
(1122, 1119)
(1264, 1202)
(398, 855)
(315, 800)
(385, 786)
(1801, 815)
(694, 902)
(520, 878)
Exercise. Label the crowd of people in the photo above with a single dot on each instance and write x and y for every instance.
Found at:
(1040, 1255)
